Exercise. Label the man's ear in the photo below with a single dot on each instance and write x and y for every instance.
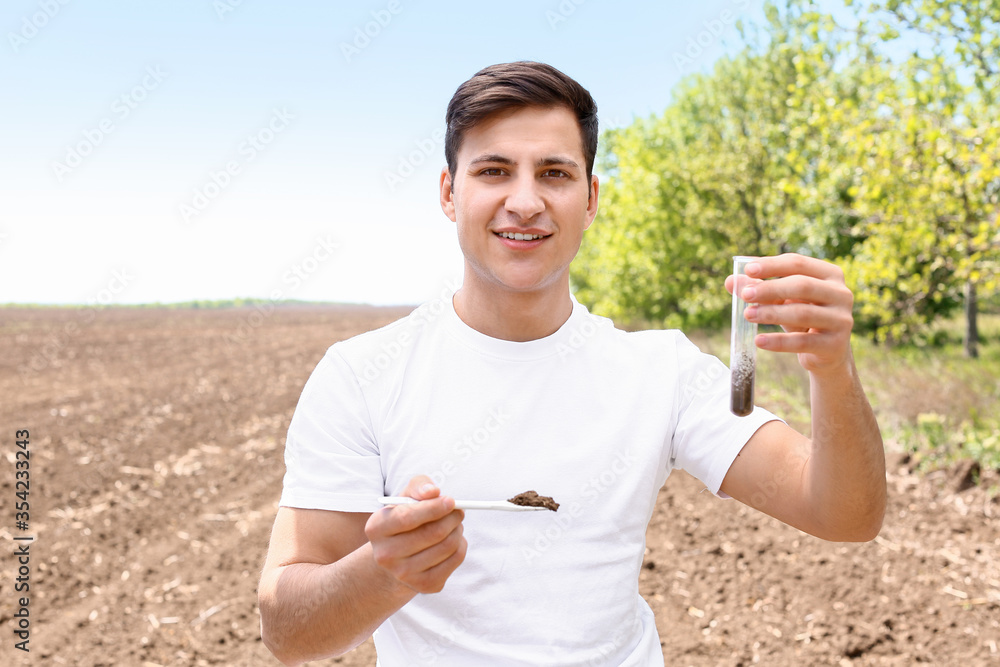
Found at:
(447, 195)
(592, 201)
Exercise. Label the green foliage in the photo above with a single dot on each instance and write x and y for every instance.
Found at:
(936, 404)
(741, 162)
(812, 140)
(927, 170)
(937, 441)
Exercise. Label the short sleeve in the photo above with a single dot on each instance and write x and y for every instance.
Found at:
(331, 457)
(708, 436)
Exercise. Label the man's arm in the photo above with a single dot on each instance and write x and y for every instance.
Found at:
(331, 578)
(832, 486)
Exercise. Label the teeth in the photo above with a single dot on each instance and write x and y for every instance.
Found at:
(517, 236)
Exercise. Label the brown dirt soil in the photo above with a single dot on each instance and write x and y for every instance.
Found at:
(156, 442)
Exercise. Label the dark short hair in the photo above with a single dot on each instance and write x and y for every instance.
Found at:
(514, 86)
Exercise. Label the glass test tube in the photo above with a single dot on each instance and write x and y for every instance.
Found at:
(742, 351)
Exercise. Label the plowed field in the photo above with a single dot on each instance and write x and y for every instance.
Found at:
(155, 447)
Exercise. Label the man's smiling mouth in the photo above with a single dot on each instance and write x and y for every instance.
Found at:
(517, 236)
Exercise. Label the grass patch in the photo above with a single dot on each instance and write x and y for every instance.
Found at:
(941, 406)
(938, 441)
(938, 405)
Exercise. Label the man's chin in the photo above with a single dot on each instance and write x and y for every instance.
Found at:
(533, 284)
(517, 280)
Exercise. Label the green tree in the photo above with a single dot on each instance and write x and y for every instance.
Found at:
(745, 160)
(929, 168)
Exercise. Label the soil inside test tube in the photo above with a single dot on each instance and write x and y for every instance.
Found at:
(742, 387)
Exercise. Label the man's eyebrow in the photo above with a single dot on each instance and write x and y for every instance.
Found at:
(494, 158)
(556, 160)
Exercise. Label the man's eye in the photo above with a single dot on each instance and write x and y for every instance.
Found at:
(555, 173)
(492, 171)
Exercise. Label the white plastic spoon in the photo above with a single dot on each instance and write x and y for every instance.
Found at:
(502, 505)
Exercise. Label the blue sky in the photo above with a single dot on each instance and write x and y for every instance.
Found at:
(210, 149)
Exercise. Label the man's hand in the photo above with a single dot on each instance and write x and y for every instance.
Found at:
(832, 485)
(808, 298)
(420, 544)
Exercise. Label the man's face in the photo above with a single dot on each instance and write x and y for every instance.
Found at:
(521, 172)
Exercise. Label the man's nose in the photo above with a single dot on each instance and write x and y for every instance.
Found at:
(524, 199)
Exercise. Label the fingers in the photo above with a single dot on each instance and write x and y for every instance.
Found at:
(390, 521)
(809, 299)
(744, 281)
(790, 264)
(421, 548)
(427, 571)
(420, 488)
(796, 316)
(424, 557)
(433, 580)
(800, 288)
(419, 544)
(412, 529)
(797, 342)
(815, 299)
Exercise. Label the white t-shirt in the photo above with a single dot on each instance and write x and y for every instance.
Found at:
(591, 415)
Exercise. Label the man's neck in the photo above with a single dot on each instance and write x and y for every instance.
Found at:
(513, 316)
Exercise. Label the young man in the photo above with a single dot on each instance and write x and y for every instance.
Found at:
(512, 385)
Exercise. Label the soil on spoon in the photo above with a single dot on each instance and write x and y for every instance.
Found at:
(532, 499)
